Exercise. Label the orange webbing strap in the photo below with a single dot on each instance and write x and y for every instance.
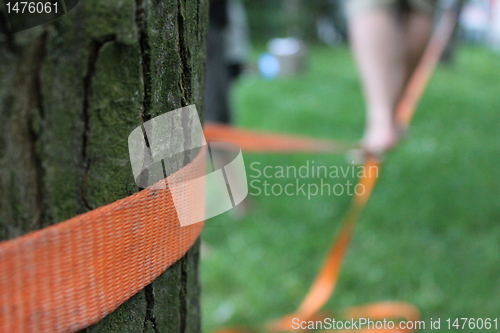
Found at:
(326, 279)
(68, 276)
(416, 86)
(252, 141)
(386, 310)
(325, 282)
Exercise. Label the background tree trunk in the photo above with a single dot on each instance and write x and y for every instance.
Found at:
(448, 56)
(71, 91)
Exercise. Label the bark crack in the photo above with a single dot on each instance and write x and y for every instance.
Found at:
(183, 295)
(35, 129)
(185, 83)
(145, 50)
(5, 30)
(145, 59)
(150, 307)
(93, 56)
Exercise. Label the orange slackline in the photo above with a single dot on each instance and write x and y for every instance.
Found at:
(70, 275)
(251, 141)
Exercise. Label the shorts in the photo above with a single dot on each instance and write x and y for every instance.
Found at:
(399, 6)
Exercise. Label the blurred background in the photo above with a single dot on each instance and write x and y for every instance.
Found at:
(430, 234)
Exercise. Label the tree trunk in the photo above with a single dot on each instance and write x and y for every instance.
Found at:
(71, 91)
(448, 56)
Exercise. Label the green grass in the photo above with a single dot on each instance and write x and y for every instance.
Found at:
(430, 233)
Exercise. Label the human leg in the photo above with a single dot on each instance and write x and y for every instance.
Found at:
(376, 40)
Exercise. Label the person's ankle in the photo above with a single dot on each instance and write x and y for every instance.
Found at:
(378, 139)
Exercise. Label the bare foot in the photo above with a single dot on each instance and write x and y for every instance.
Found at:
(378, 139)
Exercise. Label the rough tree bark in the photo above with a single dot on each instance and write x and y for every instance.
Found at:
(71, 91)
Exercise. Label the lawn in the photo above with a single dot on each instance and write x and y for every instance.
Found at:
(430, 233)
